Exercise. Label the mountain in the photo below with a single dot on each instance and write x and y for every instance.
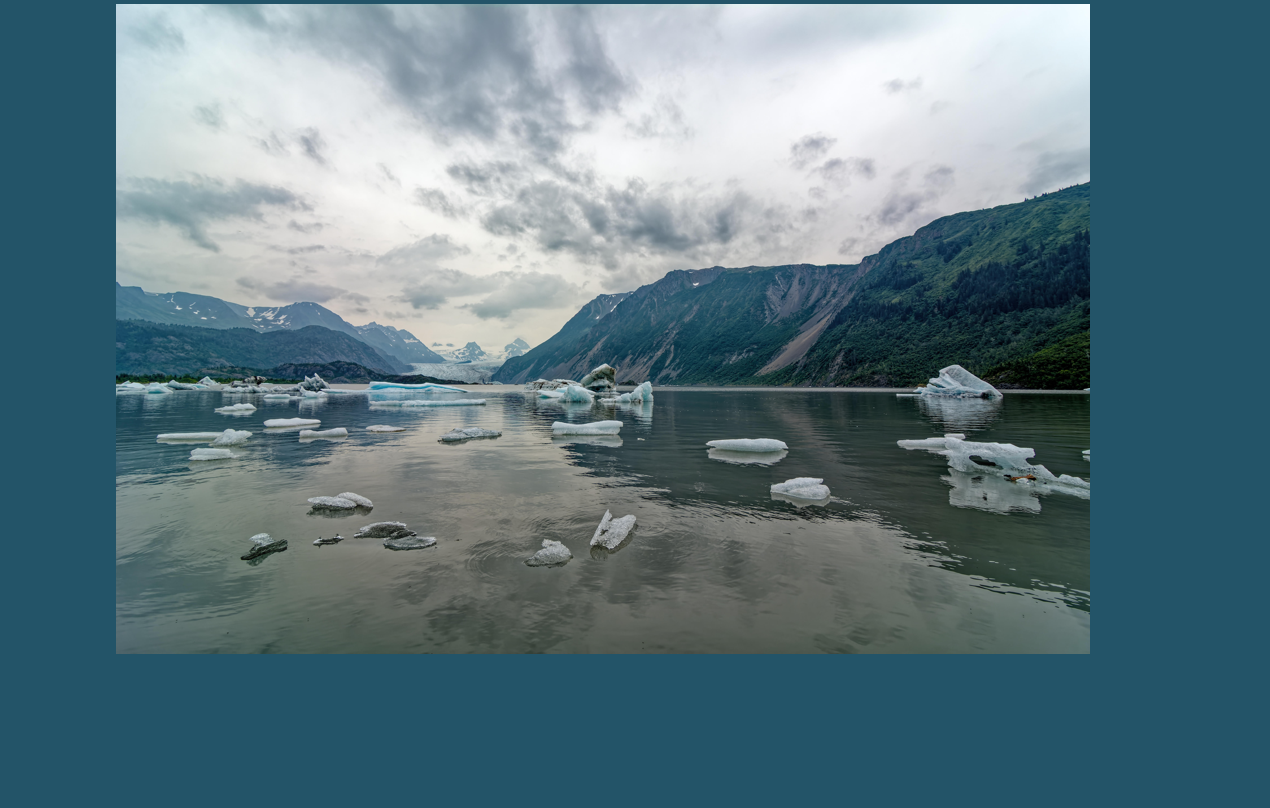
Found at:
(145, 347)
(516, 347)
(183, 308)
(991, 290)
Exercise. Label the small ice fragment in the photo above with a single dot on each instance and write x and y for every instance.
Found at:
(462, 402)
(211, 454)
(553, 553)
(384, 530)
(336, 539)
(456, 435)
(283, 423)
(907, 395)
(360, 501)
(612, 532)
(276, 396)
(232, 437)
(238, 408)
(385, 428)
(337, 432)
(748, 445)
(935, 445)
(957, 435)
(410, 542)
(200, 437)
(803, 488)
(333, 503)
(263, 544)
(594, 428)
(310, 394)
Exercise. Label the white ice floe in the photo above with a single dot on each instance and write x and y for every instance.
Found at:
(232, 408)
(1004, 460)
(462, 402)
(361, 501)
(1086, 454)
(803, 488)
(602, 378)
(384, 530)
(958, 382)
(594, 428)
(468, 433)
(337, 432)
(574, 393)
(310, 394)
(748, 445)
(612, 532)
(189, 437)
(263, 544)
(339, 503)
(313, 384)
(232, 437)
(747, 458)
(211, 454)
(283, 423)
(410, 543)
(160, 389)
(385, 428)
(643, 392)
(552, 554)
(278, 397)
(435, 388)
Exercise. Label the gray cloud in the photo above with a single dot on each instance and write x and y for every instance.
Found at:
(666, 120)
(210, 115)
(190, 206)
(505, 292)
(901, 204)
(900, 86)
(388, 175)
(438, 201)
(599, 84)
(272, 144)
(292, 290)
(497, 177)
(809, 149)
(1053, 170)
(422, 254)
(156, 33)
(304, 228)
(312, 144)
(839, 171)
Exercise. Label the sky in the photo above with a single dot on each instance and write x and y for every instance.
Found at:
(477, 173)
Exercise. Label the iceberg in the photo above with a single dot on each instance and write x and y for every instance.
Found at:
(612, 532)
(385, 428)
(552, 554)
(283, 423)
(410, 543)
(748, 445)
(543, 384)
(237, 408)
(602, 378)
(958, 382)
(336, 539)
(463, 402)
(308, 394)
(803, 488)
(643, 392)
(1003, 460)
(361, 501)
(594, 428)
(313, 384)
(196, 437)
(211, 454)
(337, 432)
(384, 530)
(278, 397)
(436, 388)
(456, 435)
(333, 503)
(575, 394)
(263, 544)
(161, 389)
(175, 385)
(232, 437)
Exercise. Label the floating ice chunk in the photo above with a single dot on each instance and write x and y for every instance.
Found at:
(263, 544)
(594, 428)
(958, 382)
(907, 395)
(284, 423)
(278, 397)
(543, 384)
(385, 428)
(748, 445)
(462, 402)
(803, 488)
(610, 402)
(612, 532)
(552, 554)
(160, 389)
(361, 501)
(1086, 454)
(384, 530)
(456, 435)
(1011, 463)
(195, 437)
(934, 445)
(435, 388)
(336, 539)
(643, 392)
(747, 458)
(310, 394)
(232, 437)
(410, 543)
(579, 395)
(337, 432)
(238, 408)
(552, 393)
(333, 503)
(602, 378)
(211, 454)
(175, 385)
(313, 384)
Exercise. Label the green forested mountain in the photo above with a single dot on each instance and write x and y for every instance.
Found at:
(1003, 292)
(145, 347)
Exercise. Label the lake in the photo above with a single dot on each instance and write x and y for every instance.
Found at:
(907, 556)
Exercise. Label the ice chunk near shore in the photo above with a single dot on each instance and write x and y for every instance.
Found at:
(336, 539)
(748, 445)
(313, 384)
(552, 554)
(1004, 460)
(278, 397)
(385, 428)
(263, 544)
(602, 378)
(410, 543)
(310, 394)
(643, 392)
(361, 501)
(462, 402)
(286, 423)
(612, 532)
(803, 488)
(337, 432)
(958, 382)
(160, 389)
(211, 454)
(576, 394)
(593, 428)
(333, 503)
(429, 386)
(384, 530)
(189, 437)
(468, 433)
(232, 437)
(234, 408)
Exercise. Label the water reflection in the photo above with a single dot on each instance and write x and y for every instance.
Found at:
(612, 441)
(746, 458)
(959, 414)
(990, 492)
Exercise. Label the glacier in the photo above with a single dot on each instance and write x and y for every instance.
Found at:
(436, 388)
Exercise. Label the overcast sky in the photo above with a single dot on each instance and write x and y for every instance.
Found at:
(479, 172)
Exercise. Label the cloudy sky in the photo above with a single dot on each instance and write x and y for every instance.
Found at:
(478, 172)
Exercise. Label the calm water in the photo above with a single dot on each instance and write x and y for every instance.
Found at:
(907, 557)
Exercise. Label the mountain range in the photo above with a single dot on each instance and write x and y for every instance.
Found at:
(1004, 292)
